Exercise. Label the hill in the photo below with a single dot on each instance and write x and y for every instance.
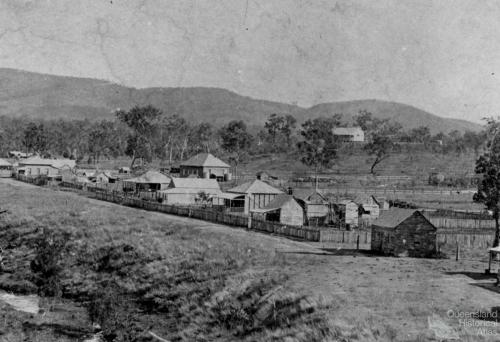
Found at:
(48, 96)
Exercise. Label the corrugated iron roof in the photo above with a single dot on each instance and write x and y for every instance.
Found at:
(393, 217)
(205, 160)
(255, 187)
(194, 183)
(150, 177)
(278, 202)
(4, 162)
(347, 130)
(56, 163)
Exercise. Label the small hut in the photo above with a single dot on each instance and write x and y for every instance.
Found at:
(283, 209)
(404, 232)
(317, 209)
(5, 169)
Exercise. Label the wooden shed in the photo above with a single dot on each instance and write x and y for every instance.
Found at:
(317, 209)
(368, 210)
(404, 232)
(347, 213)
(5, 169)
(283, 209)
(105, 177)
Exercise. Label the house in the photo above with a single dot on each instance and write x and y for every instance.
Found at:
(404, 232)
(189, 191)
(283, 209)
(205, 165)
(349, 134)
(347, 212)
(5, 169)
(248, 196)
(124, 170)
(149, 181)
(317, 210)
(18, 154)
(368, 210)
(105, 177)
(36, 166)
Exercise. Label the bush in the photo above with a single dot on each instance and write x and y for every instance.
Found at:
(46, 266)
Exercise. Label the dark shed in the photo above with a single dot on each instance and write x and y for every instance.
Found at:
(404, 232)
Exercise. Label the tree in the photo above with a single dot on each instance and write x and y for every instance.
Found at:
(235, 140)
(318, 148)
(488, 165)
(35, 138)
(380, 146)
(142, 122)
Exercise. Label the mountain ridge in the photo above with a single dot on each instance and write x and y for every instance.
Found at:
(45, 96)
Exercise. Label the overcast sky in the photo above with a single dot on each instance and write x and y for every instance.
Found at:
(441, 56)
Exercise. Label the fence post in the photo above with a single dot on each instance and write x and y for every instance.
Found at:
(357, 243)
(457, 251)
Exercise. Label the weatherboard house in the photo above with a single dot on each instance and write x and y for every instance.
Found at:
(248, 196)
(404, 232)
(5, 169)
(349, 134)
(205, 165)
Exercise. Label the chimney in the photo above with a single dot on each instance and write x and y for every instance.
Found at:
(290, 190)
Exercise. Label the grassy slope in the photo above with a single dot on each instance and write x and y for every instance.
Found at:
(370, 298)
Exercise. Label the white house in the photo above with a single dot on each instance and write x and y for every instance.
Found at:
(349, 134)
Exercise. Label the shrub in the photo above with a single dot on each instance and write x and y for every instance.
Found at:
(46, 266)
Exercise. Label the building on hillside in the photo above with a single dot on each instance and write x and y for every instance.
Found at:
(149, 181)
(190, 191)
(105, 177)
(205, 165)
(124, 170)
(18, 154)
(369, 209)
(317, 210)
(36, 166)
(349, 134)
(404, 232)
(265, 176)
(248, 196)
(5, 169)
(346, 212)
(283, 209)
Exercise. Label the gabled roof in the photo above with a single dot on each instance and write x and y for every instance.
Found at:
(395, 216)
(3, 162)
(150, 177)
(194, 183)
(106, 174)
(347, 130)
(364, 199)
(205, 160)
(306, 194)
(255, 187)
(277, 203)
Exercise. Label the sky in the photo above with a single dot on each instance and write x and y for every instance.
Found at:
(441, 56)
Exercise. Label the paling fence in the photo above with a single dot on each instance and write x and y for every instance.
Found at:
(467, 230)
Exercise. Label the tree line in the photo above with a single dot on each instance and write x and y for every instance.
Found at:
(145, 133)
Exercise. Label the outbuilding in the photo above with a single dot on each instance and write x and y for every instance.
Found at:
(404, 232)
(105, 177)
(347, 213)
(5, 169)
(317, 209)
(283, 209)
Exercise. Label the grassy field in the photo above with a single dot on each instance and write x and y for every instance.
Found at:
(186, 280)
